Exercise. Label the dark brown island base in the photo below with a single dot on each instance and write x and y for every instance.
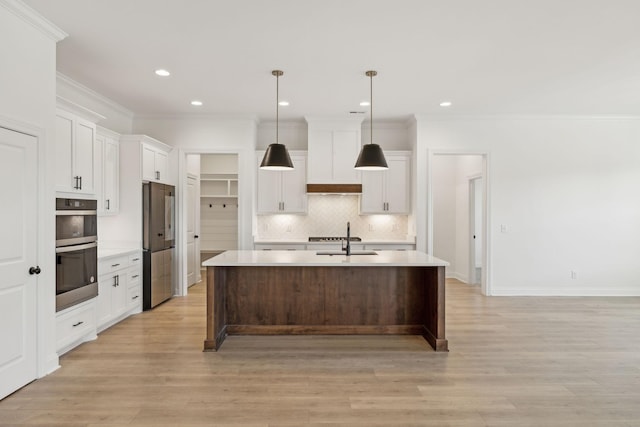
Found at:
(301, 292)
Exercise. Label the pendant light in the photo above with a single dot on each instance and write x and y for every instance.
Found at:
(371, 157)
(276, 157)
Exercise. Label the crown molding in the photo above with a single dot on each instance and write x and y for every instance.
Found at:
(72, 107)
(253, 119)
(32, 17)
(68, 81)
(450, 117)
(107, 132)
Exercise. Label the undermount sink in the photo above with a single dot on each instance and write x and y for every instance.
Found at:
(343, 253)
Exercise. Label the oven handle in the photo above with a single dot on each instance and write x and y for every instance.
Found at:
(74, 213)
(76, 247)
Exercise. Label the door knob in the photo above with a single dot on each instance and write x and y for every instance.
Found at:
(196, 237)
(35, 270)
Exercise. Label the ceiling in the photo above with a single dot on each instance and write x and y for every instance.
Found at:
(486, 57)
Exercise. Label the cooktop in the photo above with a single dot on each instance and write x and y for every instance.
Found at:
(334, 239)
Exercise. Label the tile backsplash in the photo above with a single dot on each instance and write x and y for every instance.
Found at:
(328, 216)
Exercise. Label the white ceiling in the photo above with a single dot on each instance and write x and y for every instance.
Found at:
(487, 57)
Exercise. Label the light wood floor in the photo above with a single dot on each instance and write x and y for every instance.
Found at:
(524, 361)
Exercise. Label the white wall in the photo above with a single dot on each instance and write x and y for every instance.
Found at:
(27, 103)
(565, 188)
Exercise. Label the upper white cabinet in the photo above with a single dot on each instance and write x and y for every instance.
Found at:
(107, 171)
(75, 154)
(333, 147)
(283, 191)
(154, 163)
(389, 191)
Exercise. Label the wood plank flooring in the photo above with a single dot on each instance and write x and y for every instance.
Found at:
(525, 361)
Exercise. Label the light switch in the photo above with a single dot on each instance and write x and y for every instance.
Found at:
(503, 228)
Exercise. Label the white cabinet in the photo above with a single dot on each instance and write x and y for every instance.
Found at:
(390, 246)
(75, 154)
(107, 168)
(75, 325)
(389, 191)
(154, 163)
(119, 288)
(283, 191)
(333, 147)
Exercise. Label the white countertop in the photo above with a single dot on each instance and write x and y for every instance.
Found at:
(111, 252)
(307, 242)
(310, 258)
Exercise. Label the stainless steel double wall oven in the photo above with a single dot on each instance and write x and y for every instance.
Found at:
(76, 251)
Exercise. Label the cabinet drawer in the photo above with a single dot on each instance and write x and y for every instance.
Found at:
(135, 259)
(74, 324)
(134, 295)
(109, 265)
(134, 275)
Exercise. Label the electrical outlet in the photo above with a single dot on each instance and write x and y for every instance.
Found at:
(503, 228)
(574, 274)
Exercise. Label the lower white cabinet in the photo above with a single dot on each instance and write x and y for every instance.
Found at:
(75, 325)
(119, 288)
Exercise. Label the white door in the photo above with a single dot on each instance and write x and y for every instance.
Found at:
(18, 234)
(192, 205)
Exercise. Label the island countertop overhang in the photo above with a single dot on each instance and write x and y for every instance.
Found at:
(300, 258)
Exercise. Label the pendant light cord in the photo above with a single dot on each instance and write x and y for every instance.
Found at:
(277, 105)
(371, 73)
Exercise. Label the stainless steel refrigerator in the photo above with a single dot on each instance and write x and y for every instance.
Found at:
(158, 241)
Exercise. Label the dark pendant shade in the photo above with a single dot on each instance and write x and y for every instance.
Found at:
(276, 158)
(371, 158)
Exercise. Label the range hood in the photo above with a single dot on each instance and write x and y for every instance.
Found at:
(334, 188)
(333, 147)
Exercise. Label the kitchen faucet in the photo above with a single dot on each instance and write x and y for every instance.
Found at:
(348, 248)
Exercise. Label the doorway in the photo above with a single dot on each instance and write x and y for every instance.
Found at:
(458, 211)
(209, 210)
(475, 229)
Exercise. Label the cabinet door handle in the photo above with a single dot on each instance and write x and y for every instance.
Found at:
(135, 297)
(157, 174)
(78, 324)
(77, 185)
(108, 207)
(135, 259)
(80, 183)
(115, 265)
(35, 270)
(135, 275)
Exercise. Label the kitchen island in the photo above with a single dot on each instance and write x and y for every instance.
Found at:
(301, 292)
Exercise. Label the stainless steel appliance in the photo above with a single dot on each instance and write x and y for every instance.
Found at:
(334, 239)
(76, 251)
(158, 242)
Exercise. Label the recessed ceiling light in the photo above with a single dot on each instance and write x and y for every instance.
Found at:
(283, 103)
(445, 104)
(163, 73)
(365, 103)
(196, 103)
